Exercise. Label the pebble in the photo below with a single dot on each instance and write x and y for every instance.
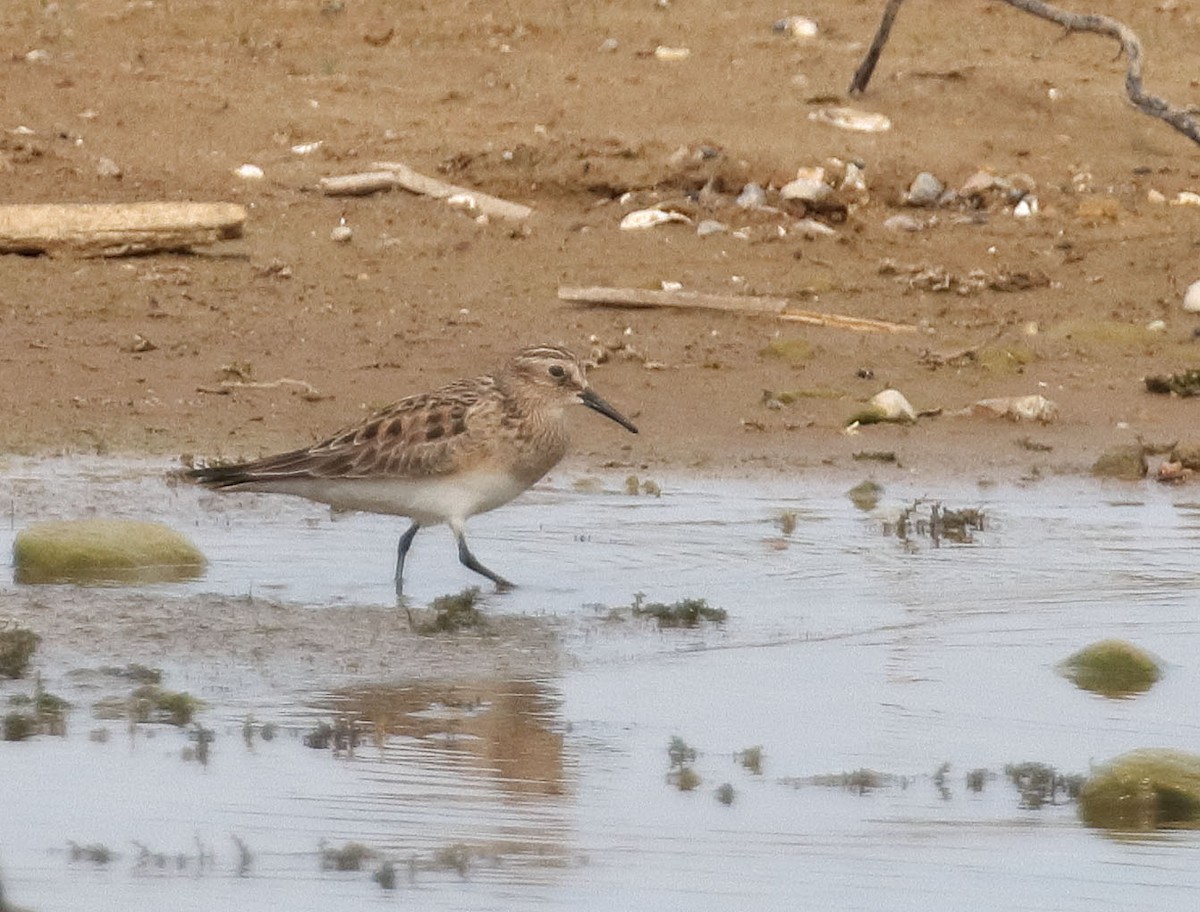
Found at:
(1191, 298)
(805, 189)
(851, 119)
(711, 226)
(249, 172)
(797, 27)
(925, 190)
(752, 197)
(341, 234)
(1027, 208)
(1186, 198)
(608, 45)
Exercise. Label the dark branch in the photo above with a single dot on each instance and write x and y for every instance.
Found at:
(1181, 119)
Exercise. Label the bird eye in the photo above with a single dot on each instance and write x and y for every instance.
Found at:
(557, 370)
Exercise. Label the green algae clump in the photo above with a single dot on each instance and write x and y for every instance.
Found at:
(103, 550)
(1144, 790)
(1113, 668)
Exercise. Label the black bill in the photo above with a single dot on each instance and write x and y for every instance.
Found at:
(592, 401)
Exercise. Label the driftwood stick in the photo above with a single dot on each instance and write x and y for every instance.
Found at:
(387, 175)
(746, 304)
(1181, 119)
(840, 321)
(646, 297)
(116, 229)
(862, 75)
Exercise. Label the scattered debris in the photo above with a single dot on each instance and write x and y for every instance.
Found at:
(851, 119)
(389, 175)
(940, 279)
(1183, 384)
(1124, 463)
(1016, 408)
(1112, 668)
(116, 229)
(1143, 790)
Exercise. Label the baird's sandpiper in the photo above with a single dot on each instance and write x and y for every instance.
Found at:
(438, 457)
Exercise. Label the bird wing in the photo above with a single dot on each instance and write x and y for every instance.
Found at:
(422, 436)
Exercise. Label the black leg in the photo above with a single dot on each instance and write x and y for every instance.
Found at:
(406, 541)
(469, 561)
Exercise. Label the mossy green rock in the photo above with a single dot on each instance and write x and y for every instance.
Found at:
(1143, 790)
(103, 550)
(1127, 463)
(1113, 668)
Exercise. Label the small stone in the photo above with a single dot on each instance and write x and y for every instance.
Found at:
(1026, 208)
(805, 189)
(341, 234)
(711, 226)
(1186, 198)
(1126, 463)
(1191, 298)
(608, 45)
(1187, 454)
(671, 54)
(1155, 197)
(925, 190)
(752, 197)
(249, 172)
(106, 167)
(796, 27)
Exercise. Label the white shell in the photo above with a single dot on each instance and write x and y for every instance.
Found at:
(851, 119)
(1191, 298)
(307, 148)
(1027, 208)
(798, 27)
(341, 234)
(249, 172)
(463, 201)
(1187, 198)
(650, 218)
(662, 52)
(892, 406)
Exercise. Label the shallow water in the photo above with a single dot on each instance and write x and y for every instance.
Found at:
(845, 648)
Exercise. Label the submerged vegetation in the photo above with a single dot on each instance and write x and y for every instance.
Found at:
(17, 646)
(1144, 790)
(1113, 668)
(935, 522)
(454, 612)
(689, 612)
(1040, 784)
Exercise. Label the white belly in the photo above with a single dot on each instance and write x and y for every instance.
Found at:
(428, 501)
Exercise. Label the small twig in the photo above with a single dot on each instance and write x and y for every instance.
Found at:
(1181, 119)
(388, 175)
(746, 304)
